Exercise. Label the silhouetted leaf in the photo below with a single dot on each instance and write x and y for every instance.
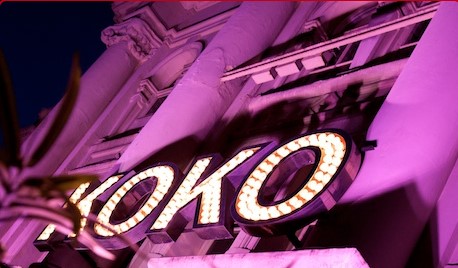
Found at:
(38, 209)
(4, 178)
(94, 246)
(61, 182)
(75, 215)
(8, 117)
(41, 197)
(125, 239)
(59, 219)
(56, 186)
(71, 182)
(63, 113)
(42, 209)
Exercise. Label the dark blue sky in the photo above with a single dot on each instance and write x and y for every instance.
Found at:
(38, 40)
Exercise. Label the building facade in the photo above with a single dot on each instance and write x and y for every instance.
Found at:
(181, 81)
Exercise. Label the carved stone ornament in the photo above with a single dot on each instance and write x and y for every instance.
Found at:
(142, 41)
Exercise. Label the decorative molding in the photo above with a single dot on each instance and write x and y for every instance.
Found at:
(197, 5)
(103, 156)
(205, 28)
(172, 67)
(315, 25)
(148, 91)
(142, 41)
(137, 106)
(386, 73)
(318, 49)
(122, 9)
(98, 168)
(331, 257)
(175, 38)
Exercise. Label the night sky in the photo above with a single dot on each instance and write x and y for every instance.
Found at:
(39, 39)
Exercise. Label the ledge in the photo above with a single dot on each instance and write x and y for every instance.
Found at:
(334, 257)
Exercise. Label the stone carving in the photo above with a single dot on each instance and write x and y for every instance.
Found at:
(142, 41)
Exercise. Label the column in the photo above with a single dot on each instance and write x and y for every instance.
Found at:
(199, 100)
(399, 183)
(129, 44)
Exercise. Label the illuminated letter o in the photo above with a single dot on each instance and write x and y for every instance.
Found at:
(164, 175)
(336, 165)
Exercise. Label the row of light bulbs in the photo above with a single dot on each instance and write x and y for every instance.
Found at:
(164, 175)
(332, 147)
(209, 211)
(74, 197)
(83, 205)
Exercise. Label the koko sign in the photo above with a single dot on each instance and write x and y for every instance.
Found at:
(280, 188)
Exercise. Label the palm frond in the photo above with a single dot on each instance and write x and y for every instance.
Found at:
(123, 238)
(61, 183)
(8, 117)
(62, 115)
(59, 219)
(41, 198)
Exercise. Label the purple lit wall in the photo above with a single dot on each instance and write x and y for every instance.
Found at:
(401, 180)
(259, 73)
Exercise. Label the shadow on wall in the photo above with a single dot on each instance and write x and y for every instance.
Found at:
(427, 248)
(425, 253)
(362, 225)
(366, 224)
(345, 109)
(180, 153)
